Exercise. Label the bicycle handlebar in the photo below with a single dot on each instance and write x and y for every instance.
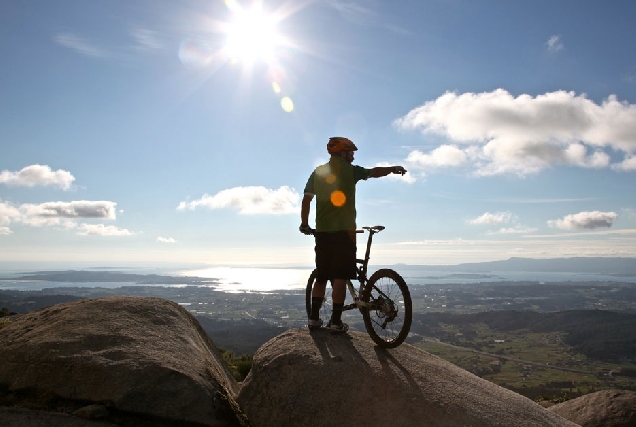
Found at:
(372, 230)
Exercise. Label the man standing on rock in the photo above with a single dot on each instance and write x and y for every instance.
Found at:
(334, 185)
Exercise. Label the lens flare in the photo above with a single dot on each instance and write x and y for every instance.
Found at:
(331, 178)
(287, 104)
(323, 171)
(276, 73)
(195, 53)
(338, 198)
(276, 87)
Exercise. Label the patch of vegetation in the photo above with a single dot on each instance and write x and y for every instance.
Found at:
(598, 334)
(525, 353)
(243, 336)
(240, 366)
(4, 313)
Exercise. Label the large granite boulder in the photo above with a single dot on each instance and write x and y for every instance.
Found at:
(141, 358)
(606, 408)
(320, 379)
(21, 417)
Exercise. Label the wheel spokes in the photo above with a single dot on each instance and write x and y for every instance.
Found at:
(385, 307)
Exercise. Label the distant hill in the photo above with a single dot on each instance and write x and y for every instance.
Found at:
(83, 276)
(598, 265)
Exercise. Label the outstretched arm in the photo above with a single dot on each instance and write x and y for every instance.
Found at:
(380, 171)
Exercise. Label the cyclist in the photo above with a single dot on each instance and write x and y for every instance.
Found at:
(333, 184)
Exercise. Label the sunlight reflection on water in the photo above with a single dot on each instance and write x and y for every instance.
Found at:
(236, 279)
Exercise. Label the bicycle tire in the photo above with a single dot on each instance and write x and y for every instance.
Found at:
(389, 313)
(325, 310)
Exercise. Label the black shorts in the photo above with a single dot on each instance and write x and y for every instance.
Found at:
(335, 255)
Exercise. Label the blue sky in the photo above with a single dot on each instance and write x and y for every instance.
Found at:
(150, 131)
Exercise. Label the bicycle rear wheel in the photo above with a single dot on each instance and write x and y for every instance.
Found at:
(325, 310)
(388, 315)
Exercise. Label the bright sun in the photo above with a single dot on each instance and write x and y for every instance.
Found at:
(252, 35)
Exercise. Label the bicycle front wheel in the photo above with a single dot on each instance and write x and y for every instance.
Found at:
(388, 315)
(325, 310)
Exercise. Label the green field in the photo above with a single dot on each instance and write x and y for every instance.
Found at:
(537, 365)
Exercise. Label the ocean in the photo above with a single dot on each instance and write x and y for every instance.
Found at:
(268, 279)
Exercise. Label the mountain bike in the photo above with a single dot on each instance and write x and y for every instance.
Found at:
(383, 299)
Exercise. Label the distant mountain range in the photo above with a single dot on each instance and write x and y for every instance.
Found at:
(593, 265)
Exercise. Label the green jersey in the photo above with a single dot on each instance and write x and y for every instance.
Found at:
(334, 185)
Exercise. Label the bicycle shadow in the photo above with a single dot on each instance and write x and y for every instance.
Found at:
(369, 363)
(386, 359)
(340, 348)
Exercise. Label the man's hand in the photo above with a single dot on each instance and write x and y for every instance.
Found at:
(399, 169)
(380, 171)
(305, 229)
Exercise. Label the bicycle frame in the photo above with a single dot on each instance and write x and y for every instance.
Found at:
(383, 299)
(361, 271)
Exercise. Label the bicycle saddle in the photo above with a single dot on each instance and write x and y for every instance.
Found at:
(375, 228)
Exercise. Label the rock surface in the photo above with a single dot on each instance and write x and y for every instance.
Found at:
(606, 408)
(139, 361)
(140, 357)
(20, 417)
(320, 379)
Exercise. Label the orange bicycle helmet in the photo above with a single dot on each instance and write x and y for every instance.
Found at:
(339, 143)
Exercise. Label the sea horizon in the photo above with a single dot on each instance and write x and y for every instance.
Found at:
(258, 278)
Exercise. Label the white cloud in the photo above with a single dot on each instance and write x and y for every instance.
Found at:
(584, 220)
(555, 44)
(502, 218)
(166, 240)
(524, 134)
(34, 175)
(145, 39)
(64, 214)
(517, 229)
(5, 231)
(8, 213)
(576, 154)
(249, 201)
(102, 230)
(82, 46)
(492, 218)
(444, 155)
(629, 164)
(53, 213)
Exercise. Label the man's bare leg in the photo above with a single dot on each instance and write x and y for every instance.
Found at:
(319, 289)
(339, 291)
